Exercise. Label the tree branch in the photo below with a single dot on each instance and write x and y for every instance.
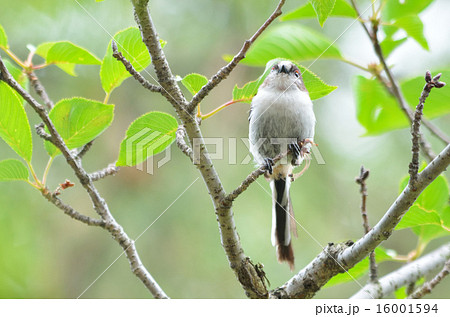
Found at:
(428, 286)
(366, 29)
(307, 282)
(181, 143)
(415, 129)
(82, 152)
(40, 131)
(144, 82)
(250, 276)
(228, 199)
(407, 274)
(170, 88)
(111, 169)
(40, 90)
(335, 258)
(226, 70)
(99, 203)
(68, 210)
(361, 180)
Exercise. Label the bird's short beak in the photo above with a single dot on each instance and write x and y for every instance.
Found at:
(283, 69)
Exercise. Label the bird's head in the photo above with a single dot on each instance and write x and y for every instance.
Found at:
(285, 75)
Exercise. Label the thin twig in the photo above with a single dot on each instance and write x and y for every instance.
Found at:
(228, 199)
(144, 82)
(99, 203)
(68, 210)
(111, 169)
(181, 143)
(40, 90)
(82, 152)
(361, 180)
(415, 129)
(226, 70)
(366, 29)
(427, 287)
(40, 130)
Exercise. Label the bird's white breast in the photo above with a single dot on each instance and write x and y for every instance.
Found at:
(280, 114)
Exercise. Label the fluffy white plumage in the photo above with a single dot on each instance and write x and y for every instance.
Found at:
(281, 114)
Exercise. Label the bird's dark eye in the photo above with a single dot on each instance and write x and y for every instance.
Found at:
(297, 74)
(275, 67)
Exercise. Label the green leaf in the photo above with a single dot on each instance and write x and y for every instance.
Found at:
(194, 82)
(400, 293)
(67, 52)
(68, 68)
(17, 73)
(361, 268)
(376, 109)
(395, 9)
(417, 216)
(435, 196)
(291, 41)
(341, 9)
(129, 43)
(388, 45)
(246, 93)
(14, 126)
(445, 216)
(438, 102)
(3, 38)
(323, 9)
(148, 135)
(413, 26)
(429, 216)
(79, 121)
(315, 86)
(66, 55)
(427, 233)
(11, 170)
(249, 90)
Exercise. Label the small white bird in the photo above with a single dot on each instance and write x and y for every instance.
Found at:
(281, 116)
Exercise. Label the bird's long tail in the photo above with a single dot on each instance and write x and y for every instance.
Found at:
(282, 220)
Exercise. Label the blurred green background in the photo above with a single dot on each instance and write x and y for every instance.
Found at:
(45, 254)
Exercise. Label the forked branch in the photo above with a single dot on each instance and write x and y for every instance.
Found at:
(133, 72)
(99, 203)
(226, 70)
